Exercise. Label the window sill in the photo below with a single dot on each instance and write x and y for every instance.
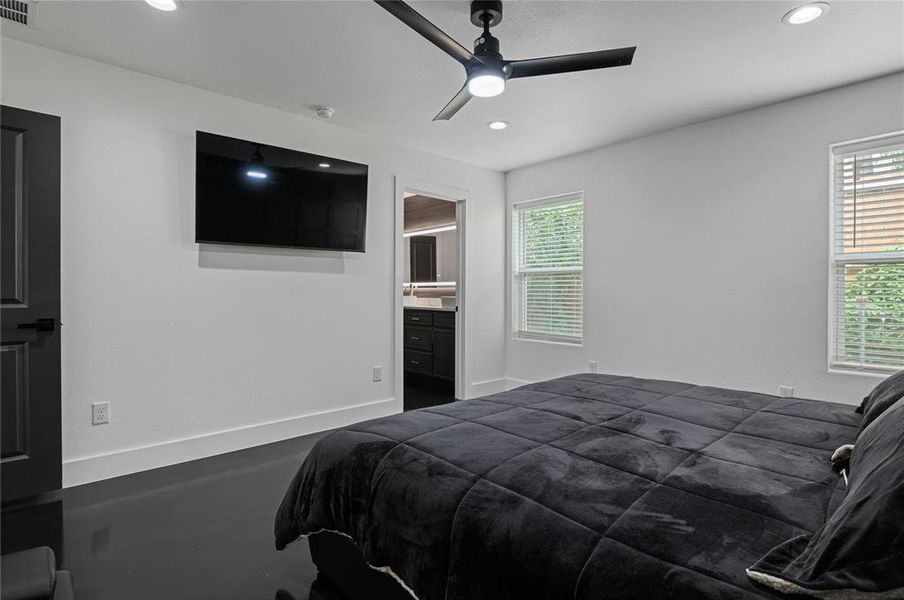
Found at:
(516, 338)
(862, 372)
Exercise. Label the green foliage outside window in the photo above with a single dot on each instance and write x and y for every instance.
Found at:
(553, 236)
(874, 314)
(550, 257)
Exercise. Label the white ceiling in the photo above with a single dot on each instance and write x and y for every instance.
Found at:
(694, 61)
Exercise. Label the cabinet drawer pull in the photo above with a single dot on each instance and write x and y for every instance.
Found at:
(415, 318)
(414, 362)
(415, 337)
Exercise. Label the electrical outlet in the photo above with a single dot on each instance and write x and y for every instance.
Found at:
(594, 366)
(785, 391)
(100, 413)
(378, 373)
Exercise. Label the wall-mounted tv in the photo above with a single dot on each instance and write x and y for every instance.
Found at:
(255, 194)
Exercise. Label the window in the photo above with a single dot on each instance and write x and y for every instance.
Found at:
(547, 266)
(867, 283)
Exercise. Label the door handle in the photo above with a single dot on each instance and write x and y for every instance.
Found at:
(42, 325)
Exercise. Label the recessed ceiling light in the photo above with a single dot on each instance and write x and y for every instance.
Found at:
(805, 14)
(324, 165)
(165, 5)
(497, 124)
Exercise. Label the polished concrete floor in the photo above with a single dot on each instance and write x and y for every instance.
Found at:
(198, 530)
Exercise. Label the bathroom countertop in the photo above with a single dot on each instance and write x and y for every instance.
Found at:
(436, 308)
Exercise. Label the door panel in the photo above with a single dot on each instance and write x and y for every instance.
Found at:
(444, 353)
(13, 359)
(12, 221)
(30, 462)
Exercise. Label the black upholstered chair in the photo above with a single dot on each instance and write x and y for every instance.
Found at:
(32, 575)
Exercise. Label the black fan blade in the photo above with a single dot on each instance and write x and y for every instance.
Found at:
(416, 21)
(568, 63)
(455, 104)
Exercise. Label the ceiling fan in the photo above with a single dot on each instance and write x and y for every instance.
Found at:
(485, 68)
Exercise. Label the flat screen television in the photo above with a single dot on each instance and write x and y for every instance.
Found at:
(259, 195)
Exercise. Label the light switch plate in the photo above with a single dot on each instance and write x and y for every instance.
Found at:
(377, 373)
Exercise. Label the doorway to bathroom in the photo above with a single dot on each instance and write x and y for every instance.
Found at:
(430, 251)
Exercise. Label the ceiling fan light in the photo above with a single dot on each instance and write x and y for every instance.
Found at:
(485, 85)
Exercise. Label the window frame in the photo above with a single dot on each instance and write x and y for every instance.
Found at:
(835, 259)
(515, 272)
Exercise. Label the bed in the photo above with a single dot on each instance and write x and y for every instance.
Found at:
(587, 486)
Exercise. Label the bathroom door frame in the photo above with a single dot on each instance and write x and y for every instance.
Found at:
(462, 333)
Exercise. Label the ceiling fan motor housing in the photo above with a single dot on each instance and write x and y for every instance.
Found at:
(489, 10)
(487, 46)
(486, 14)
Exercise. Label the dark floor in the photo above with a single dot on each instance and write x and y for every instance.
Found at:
(197, 530)
(421, 391)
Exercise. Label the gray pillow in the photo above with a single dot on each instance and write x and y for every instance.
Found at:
(883, 395)
(859, 552)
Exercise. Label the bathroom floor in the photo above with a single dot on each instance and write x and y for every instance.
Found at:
(421, 392)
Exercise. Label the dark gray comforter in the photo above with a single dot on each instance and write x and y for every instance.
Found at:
(585, 487)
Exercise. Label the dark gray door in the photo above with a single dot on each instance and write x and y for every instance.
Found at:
(423, 258)
(30, 462)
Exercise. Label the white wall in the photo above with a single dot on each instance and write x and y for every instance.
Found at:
(208, 349)
(706, 249)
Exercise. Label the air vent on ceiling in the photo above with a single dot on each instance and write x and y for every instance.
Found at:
(17, 11)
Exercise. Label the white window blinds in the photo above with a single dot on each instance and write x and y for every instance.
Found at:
(867, 288)
(548, 265)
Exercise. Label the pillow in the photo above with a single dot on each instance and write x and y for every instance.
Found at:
(883, 395)
(858, 554)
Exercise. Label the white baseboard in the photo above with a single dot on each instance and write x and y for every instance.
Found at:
(511, 383)
(132, 460)
(484, 388)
